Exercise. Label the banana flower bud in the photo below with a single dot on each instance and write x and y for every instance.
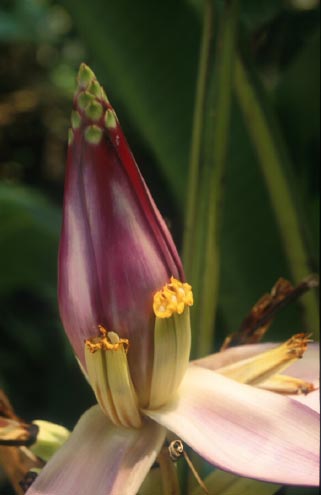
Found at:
(115, 249)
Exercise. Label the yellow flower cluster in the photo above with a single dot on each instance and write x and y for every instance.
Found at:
(172, 298)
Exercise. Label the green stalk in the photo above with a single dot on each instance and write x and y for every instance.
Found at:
(195, 223)
(197, 132)
(215, 150)
(270, 159)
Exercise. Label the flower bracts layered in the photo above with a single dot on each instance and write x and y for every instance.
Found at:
(115, 248)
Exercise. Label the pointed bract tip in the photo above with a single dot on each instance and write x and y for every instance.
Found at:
(85, 76)
(93, 134)
(95, 89)
(87, 81)
(94, 110)
(110, 119)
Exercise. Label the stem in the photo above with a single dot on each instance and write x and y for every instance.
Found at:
(215, 150)
(168, 473)
(197, 132)
(270, 160)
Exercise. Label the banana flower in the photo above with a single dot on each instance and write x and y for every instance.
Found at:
(125, 305)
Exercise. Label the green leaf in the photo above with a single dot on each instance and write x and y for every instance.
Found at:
(28, 240)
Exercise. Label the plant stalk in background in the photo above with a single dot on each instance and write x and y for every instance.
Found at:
(207, 170)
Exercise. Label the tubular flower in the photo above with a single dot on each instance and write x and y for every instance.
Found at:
(125, 307)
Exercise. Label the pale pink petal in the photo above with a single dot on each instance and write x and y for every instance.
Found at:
(100, 459)
(251, 432)
(311, 400)
(307, 368)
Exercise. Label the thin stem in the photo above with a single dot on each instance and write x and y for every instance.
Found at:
(168, 473)
(195, 473)
(270, 160)
(195, 158)
(215, 150)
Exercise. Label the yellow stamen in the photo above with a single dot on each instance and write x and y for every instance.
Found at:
(172, 298)
(284, 384)
(172, 340)
(297, 345)
(259, 368)
(109, 376)
(109, 341)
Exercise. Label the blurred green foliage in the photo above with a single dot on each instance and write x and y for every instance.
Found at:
(146, 55)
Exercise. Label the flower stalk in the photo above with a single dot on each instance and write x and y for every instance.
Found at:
(207, 171)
